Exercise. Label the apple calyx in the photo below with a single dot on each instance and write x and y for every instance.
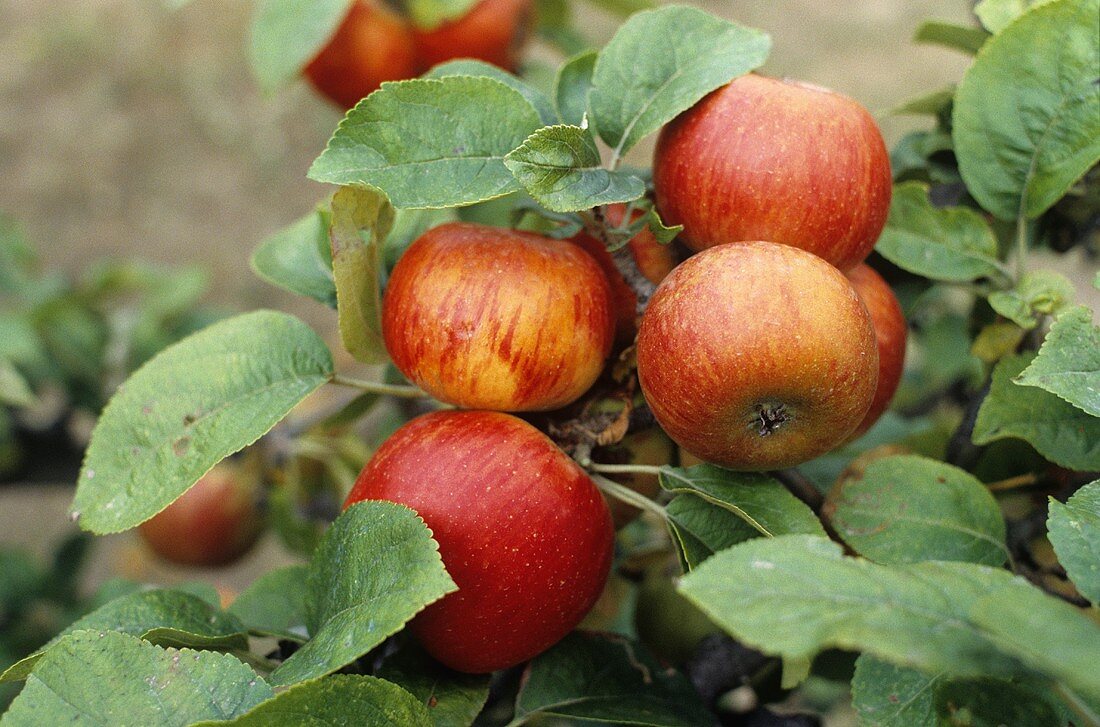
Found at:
(769, 418)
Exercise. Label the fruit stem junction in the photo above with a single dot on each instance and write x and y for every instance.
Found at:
(377, 387)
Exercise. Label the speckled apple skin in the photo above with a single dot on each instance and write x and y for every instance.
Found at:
(743, 328)
(891, 333)
(493, 31)
(522, 530)
(765, 159)
(489, 318)
(373, 44)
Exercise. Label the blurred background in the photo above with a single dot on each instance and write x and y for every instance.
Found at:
(131, 129)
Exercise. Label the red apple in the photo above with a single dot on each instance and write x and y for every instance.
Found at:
(765, 159)
(214, 523)
(521, 528)
(493, 31)
(654, 261)
(757, 356)
(373, 44)
(891, 332)
(490, 318)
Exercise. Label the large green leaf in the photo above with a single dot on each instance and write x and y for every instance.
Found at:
(1059, 431)
(607, 679)
(659, 63)
(1074, 531)
(965, 38)
(341, 699)
(471, 67)
(188, 408)
(996, 15)
(701, 528)
(288, 34)
(164, 617)
(1068, 363)
(759, 500)
(572, 86)
(298, 258)
(374, 569)
(886, 695)
(796, 595)
(431, 143)
(275, 603)
(96, 678)
(453, 699)
(560, 167)
(907, 509)
(1027, 112)
(1038, 293)
(951, 244)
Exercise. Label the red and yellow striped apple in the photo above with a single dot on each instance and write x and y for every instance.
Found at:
(490, 318)
(757, 356)
(768, 159)
(522, 530)
(891, 333)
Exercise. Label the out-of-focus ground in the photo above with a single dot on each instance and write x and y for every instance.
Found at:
(130, 129)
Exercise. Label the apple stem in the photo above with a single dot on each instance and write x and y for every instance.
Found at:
(377, 387)
(629, 496)
(1013, 483)
(1077, 705)
(595, 224)
(800, 487)
(624, 469)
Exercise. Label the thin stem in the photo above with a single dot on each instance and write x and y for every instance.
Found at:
(625, 469)
(377, 387)
(1013, 483)
(1021, 244)
(800, 487)
(629, 496)
(1078, 706)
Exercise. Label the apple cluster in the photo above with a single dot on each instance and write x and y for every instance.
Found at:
(375, 44)
(768, 346)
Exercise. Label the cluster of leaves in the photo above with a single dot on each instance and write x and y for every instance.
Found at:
(66, 345)
(944, 631)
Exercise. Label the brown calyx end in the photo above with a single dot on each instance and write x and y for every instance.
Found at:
(769, 418)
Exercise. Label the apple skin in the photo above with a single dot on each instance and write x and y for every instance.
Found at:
(654, 261)
(757, 356)
(373, 44)
(490, 318)
(891, 333)
(493, 31)
(765, 159)
(213, 524)
(522, 530)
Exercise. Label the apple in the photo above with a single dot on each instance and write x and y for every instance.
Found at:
(493, 31)
(214, 523)
(491, 318)
(891, 332)
(757, 356)
(373, 44)
(654, 261)
(778, 160)
(522, 530)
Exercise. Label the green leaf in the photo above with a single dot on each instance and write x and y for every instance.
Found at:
(1027, 113)
(659, 64)
(662, 233)
(560, 167)
(963, 38)
(795, 595)
(1059, 431)
(1074, 531)
(374, 569)
(188, 408)
(624, 8)
(470, 67)
(106, 678)
(298, 258)
(275, 603)
(996, 15)
(759, 500)
(341, 699)
(1068, 364)
(1039, 293)
(14, 389)
(164, 617)
(19, 262)
(428, 14)
(952, 244)
(701, 528)
(287, 34)
(431, 143)
(361, 220)
(929, 104)
(572, 86)
(607, 679)
(886, 695)
(453, 699)
(907, 509)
